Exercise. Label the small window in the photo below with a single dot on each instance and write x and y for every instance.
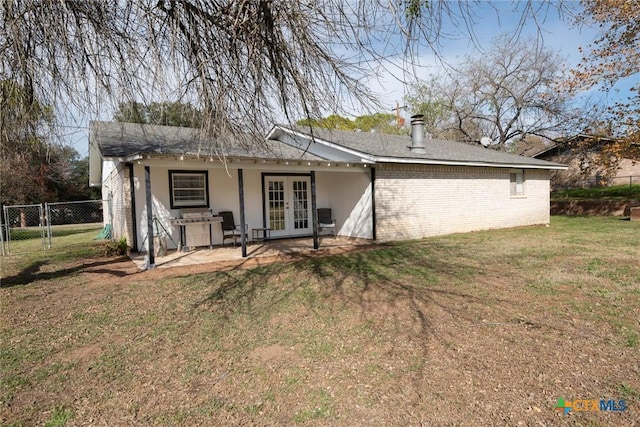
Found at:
(517, 183)
(189, 189)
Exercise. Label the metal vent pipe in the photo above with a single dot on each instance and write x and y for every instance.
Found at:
(417, 134)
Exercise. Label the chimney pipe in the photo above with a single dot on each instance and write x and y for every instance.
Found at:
(417, 134)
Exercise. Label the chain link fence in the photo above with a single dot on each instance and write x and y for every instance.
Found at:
(27, 228)
(598, 182)
(625, 180)
(70, 220)
(22, 228)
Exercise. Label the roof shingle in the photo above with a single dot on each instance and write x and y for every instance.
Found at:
(116, 139)
(397, 147)
(121, 140)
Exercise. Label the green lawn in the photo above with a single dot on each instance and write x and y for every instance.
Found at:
(485, 328)
(68, 242)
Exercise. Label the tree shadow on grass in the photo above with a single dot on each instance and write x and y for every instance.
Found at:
(396, 273)
(404, 289)
(237, 289)
(33, 272)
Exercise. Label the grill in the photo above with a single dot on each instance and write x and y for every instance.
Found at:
(195, 216)
(189, 223)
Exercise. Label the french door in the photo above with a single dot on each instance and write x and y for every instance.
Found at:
(288, 205)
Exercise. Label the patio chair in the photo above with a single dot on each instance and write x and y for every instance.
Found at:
(325, 221)
(229, 228)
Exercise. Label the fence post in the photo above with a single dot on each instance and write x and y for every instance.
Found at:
(47, 212)
(6, 221)
(42, 221)
(2, 231)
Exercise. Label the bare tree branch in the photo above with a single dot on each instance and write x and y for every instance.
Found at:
(245, 63)
(504, 94)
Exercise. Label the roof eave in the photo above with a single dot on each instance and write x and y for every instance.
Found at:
(550, 166)
(365, 157)
(191, 156)
(133, 157)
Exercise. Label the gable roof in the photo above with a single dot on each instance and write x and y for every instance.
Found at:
(565, 145)
(128, 140)
(383, 148)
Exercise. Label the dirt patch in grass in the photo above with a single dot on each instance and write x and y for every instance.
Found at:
(487, 328)
(267, 353)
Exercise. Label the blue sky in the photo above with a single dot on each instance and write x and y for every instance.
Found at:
(558, 34)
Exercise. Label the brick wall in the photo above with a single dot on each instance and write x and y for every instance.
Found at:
(415, 201)
(117, 187)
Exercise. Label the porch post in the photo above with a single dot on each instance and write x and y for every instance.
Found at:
(314, 211)
(243, 237)
(151, 261)
(373, 202)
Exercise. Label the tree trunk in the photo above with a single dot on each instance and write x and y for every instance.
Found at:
(23, 219)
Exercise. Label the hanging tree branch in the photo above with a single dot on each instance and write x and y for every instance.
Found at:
(245, 63)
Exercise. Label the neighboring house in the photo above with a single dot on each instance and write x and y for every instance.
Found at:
(379, 187)
(588, 164)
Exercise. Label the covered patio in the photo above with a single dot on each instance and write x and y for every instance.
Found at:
(156, 176)
(257, 253)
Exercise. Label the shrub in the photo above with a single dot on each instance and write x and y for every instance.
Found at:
(613, 192)
(117, 247)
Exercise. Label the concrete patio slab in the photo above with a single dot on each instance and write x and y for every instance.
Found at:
(272, 250)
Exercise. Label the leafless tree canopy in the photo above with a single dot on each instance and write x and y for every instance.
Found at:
(505, 94)
(245, 63)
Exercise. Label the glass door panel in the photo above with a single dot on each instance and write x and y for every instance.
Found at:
(288, 205)
(300, 195)
(276, 205)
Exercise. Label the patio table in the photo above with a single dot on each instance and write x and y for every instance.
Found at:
(257, 232)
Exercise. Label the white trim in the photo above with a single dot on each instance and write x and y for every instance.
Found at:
(253, 164)
(364, 161)
(288, 205)
(467, 163)
(364, 156)
(513, 185)
(134, 157)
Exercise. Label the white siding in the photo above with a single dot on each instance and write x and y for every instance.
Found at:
(223, 195)
(348, 194)
(349, 197)
(415, 201)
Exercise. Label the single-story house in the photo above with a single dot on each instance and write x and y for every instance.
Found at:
(379, 187)
(582, 154)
